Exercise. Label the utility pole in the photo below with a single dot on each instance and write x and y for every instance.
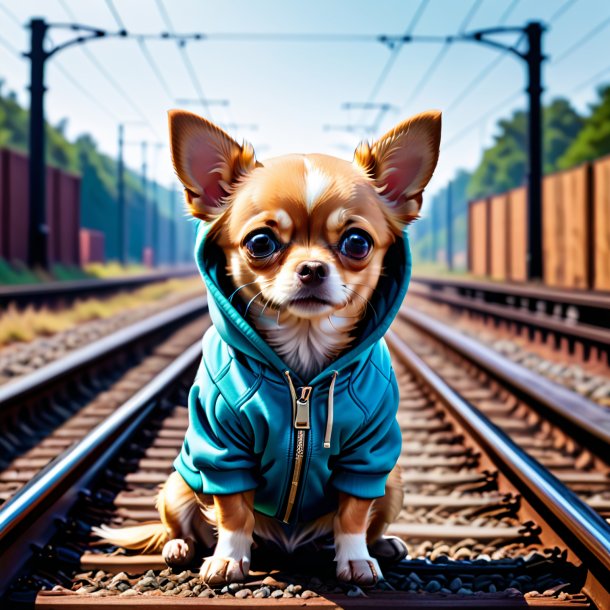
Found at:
(534, 59)
(434, 230)
(122, 206)
(155, 223)
(449, 222)
(174, 229)
(38, 231)
(146, 241)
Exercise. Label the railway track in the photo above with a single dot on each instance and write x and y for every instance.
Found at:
(487, 525)
(579, 318)
(65, 292)
(44, 413)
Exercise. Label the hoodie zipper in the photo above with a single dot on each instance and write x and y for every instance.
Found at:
(301, 423)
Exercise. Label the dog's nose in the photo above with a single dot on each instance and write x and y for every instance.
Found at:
(312, 273)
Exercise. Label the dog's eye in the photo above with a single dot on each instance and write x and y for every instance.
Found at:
(262, 245)
(356, 244)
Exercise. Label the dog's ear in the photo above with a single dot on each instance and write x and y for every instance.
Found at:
(207, 162)
(401, 164)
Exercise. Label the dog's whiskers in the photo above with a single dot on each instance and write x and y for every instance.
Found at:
(240, 288)
(367, 302)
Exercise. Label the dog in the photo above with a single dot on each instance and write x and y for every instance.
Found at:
(292, 417)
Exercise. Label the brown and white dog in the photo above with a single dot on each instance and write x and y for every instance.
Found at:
(305, 238)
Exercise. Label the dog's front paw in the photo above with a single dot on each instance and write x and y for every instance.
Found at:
(178, 552)
(231, 559)
(223, 570)
(354, 564)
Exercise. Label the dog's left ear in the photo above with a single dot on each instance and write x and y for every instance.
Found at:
(401, 163)
(207, 160)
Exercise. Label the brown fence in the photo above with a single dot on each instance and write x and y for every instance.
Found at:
(478, 255)
(63, 211)
(601, 224)
(517, 234)
(576, 230)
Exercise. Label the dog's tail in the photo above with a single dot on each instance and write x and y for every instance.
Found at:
(149, 537)
(177, 506)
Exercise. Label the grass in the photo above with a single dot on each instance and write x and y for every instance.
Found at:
(29, 324)
(114, 269)
(17, 273)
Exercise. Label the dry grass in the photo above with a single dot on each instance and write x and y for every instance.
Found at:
(26, 325)
(114, 269)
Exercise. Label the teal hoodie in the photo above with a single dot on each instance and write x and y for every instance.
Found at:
(254, 424)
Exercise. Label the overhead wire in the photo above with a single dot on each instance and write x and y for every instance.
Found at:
(144, 49)
(59, 66)
(488, 69)
(185, 59)
(396, 51)
(441, 54)
(111, 80)
(583, 40)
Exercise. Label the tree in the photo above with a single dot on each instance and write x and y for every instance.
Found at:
(593, 141)
(504, 164)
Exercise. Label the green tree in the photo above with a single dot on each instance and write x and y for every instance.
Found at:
(593, 141)
(99, 208)
(504, 164)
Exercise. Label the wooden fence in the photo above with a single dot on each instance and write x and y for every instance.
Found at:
(576, 230)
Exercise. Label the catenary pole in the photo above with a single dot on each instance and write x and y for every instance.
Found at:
(38, 230)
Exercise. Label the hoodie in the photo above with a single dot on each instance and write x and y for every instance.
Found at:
(254, 424)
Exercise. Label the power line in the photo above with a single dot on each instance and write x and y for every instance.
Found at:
(10, 47)
(185, 59)
(115, 85)
(66, 74)
(115, 14)
(587, 37)
(561, 10)
(143, 47)
(508, 12)
(481, 118)
(442, 52)
(591, 79)
(155, 68)
(396, 51)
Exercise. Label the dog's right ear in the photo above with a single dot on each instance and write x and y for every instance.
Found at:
(207, 162)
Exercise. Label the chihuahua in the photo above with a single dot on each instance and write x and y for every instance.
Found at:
(292, 417)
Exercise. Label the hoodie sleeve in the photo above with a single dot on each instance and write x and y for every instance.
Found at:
(216, 456)
(366, 462)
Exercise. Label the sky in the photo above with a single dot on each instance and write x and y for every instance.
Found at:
(289, 94)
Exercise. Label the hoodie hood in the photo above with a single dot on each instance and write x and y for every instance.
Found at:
(235, 330)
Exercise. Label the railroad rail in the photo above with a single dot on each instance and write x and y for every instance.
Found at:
(578, 316)
(61, 293)
(486, 524)
(45, 412)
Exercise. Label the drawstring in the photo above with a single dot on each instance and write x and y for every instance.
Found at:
(330, 413)
(293, 394)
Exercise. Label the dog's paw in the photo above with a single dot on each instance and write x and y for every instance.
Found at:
(223, 570)
(178, 552)
(231, 559)
(354, 563)
(363, 572)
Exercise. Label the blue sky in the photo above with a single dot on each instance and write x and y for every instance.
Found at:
(291, 89)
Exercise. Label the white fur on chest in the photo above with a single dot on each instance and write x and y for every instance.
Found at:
(306, 346)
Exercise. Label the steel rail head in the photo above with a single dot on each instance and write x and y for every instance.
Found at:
(27, 385)
(559, 295)
(576, 518)
(588, 416)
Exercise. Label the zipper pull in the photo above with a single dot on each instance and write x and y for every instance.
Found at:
(301, 420)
